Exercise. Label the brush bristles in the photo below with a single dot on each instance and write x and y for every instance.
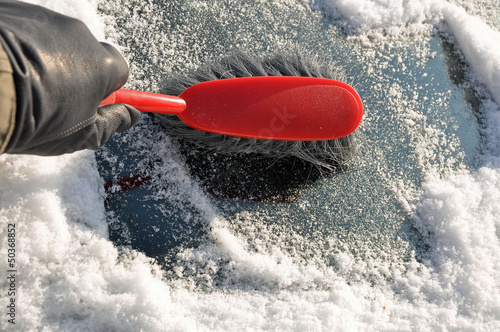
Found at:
(328, 154)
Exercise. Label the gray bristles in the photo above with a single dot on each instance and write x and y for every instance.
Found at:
(327, 154)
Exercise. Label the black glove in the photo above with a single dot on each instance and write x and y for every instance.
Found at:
(61, 74)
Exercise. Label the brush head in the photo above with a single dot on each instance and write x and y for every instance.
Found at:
(328, 154)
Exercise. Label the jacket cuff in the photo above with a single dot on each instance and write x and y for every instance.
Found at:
(7, 100)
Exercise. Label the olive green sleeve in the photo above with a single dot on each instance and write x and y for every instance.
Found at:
(7, 100)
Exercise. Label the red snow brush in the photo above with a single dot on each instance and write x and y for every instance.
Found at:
(266, 107)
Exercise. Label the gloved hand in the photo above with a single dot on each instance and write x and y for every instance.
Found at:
(61, 74)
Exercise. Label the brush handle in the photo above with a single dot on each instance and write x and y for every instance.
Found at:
(146, 101)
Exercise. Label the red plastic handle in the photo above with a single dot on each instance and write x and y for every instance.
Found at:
(147, 101)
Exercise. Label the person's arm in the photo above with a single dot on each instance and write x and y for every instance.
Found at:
(7, 100)
(60, 73)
